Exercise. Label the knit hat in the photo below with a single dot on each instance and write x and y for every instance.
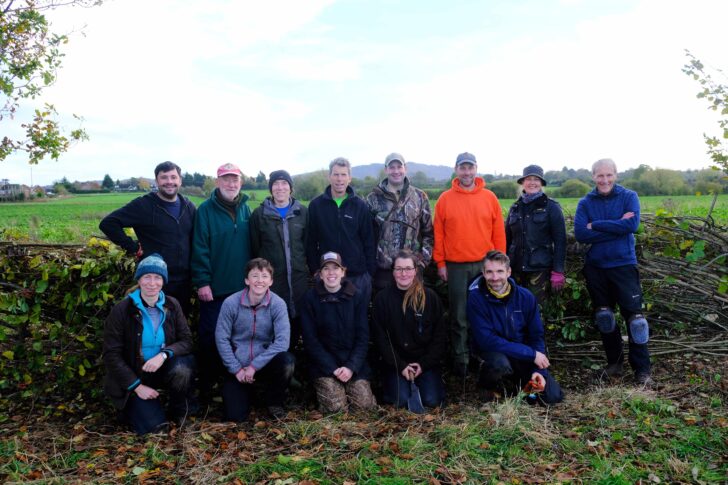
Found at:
(534, 170)
(394, 157)
(152, 264)
(229, 169)
(279, 175)
(330, 257)
(465, 157)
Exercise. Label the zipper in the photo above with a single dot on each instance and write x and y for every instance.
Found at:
(252, 337)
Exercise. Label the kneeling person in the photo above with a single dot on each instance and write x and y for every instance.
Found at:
(336, 338)
(508, 332)
(252, 337)
(137, 367)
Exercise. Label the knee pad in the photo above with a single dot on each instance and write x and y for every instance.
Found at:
(604, 318)
(639, 329)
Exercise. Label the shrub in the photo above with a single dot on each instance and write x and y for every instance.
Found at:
(573, 188)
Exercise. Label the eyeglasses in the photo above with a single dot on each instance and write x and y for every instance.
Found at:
(404, 270)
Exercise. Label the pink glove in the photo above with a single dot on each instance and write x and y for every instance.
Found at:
(557, 281)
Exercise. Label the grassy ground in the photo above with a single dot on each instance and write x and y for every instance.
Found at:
(74, 219)
(601, 434)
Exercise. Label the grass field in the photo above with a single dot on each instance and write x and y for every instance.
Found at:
(76, 218)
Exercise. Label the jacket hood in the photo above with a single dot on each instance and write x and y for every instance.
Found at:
(479, 185)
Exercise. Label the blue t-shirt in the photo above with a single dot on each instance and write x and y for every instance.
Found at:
(173, 208)
(283, 211)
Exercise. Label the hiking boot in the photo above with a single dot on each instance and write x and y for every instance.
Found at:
(644, 379)
(276, 412)
(610, 372)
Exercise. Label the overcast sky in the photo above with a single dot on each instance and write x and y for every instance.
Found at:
(293, 84)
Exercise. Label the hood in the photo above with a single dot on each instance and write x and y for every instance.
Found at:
(479, 185)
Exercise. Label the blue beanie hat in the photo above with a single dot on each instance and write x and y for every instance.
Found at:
(152, 264)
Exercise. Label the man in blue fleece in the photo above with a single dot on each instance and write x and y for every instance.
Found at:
(607, 218)
(508, 333)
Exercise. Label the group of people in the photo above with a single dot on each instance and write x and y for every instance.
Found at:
(286, 276)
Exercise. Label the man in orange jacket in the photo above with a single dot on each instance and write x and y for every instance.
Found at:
(468, 224)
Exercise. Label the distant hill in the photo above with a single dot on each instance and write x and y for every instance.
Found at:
(436, 172)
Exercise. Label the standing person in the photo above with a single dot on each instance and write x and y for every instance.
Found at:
(147, 346)
(340, 221)
(536, 237)
(468, 224)
(607, 219)
(220, 251)
(162, 222)
(410, 332)
(336, 338)
(508, 333)
(252, 337)
(402, 220)
(278, 234)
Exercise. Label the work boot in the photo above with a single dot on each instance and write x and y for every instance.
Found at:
(644, 379)
(276, 412)
(610, 372)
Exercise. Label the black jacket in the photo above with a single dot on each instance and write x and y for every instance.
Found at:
(536, 236)
(122, 351)
(397, 335)
(335, 331)
(282, 242)
(347, 230)
(157, 231)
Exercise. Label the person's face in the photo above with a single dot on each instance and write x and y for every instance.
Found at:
(339, 178)
(496, 275)
(168, 183)
(331, 275)
(150, 285)
(405, 271)
(532, 184)
(604, 176)
(258, 281)
(229, 186)
(466, 173)
(396, 173)
(281, 192)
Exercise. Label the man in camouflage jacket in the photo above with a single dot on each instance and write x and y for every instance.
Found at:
(402, 219)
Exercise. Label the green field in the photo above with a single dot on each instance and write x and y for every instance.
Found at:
(76, 218)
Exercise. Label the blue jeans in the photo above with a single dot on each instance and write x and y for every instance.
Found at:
(176, 376)
(274, 377)
(609, 287)
(500, 372)
(430, 384)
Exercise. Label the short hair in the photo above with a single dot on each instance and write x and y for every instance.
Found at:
(604, 161)
(167, 167)
(260, 264)
(498, 257)
(341, 162)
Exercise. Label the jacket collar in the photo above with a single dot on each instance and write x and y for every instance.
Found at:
(346, 291)
(244, 301)
(349, 192)
(382, 187)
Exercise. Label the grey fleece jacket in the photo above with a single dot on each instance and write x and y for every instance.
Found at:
(247, 335)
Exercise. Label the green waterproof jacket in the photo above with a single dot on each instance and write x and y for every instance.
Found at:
(220, 246)
(283, 243)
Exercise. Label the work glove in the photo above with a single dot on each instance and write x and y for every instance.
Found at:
(557, 281)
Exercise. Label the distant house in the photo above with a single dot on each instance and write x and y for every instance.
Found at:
(9, 192)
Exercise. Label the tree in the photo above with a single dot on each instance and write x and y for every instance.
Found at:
(573, 188)
(108, 183)
(144, 185)
(30, 55)
(717, 96)
(260, 181)
(188, 180)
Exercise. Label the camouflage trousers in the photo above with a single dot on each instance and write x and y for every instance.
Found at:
(334, 396)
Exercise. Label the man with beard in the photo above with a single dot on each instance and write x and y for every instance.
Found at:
(162, 222)
(220, 252)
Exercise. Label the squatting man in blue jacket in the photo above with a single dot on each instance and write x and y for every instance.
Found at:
(508, 333)
(607, 218)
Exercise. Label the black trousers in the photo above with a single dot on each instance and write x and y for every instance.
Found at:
(499, 371)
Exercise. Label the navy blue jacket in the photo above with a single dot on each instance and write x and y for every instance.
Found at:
(347, 230)
(536, 236)
(157, 231)
(611, 237)
(335, 331)
(511, 326)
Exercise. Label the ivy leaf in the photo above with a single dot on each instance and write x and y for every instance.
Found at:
(41, 286)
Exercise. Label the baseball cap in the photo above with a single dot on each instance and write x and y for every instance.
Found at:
(229, 169)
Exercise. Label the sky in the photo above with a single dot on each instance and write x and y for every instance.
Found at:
(291, 84)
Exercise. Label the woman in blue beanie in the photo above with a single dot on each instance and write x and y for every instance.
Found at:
(147, 345)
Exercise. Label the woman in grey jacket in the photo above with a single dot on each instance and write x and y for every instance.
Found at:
(252, 336)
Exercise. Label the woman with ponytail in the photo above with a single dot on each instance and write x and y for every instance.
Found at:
(410, 333)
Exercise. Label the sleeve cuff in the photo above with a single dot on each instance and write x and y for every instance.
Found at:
(134, 385)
